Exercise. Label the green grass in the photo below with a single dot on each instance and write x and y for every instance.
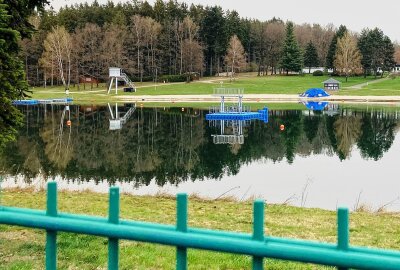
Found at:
(22, 248)
(249, 82)
(389, 87)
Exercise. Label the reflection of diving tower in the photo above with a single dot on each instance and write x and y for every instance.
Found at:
(116, 74)
(235, 127)
(231, 119)
(116, 122)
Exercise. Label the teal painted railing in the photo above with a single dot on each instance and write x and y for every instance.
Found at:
(257, 245)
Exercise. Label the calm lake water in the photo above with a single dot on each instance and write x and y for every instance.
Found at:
(340, 156)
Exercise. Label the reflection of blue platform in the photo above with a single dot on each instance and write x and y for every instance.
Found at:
(241, 116)
(314, 92)
(25, 102)
(42, 101)
(316, 106)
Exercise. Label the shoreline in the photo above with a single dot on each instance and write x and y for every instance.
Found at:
(256, 98)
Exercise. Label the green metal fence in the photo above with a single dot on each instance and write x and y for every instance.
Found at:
(257, 245)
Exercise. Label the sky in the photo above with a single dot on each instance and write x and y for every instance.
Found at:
(355, 14)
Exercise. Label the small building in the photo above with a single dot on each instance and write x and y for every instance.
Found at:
(396, 68)
(88, 79)
(331, 84)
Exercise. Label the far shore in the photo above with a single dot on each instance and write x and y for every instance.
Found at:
(256, 98)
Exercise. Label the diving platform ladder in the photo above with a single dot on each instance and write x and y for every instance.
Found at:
(116, 74)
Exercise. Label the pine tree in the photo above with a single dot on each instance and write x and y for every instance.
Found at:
(388, 62)
(292, 58)
(310, 56)
(366, 51)
(13, 25)
(330, 58)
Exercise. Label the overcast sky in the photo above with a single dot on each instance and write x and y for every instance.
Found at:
(355, 14)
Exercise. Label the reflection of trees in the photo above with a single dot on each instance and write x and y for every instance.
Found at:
(173, 146)
(347, 131)
(377, 135)
(57, 140)
(291, 135)
(311, 124)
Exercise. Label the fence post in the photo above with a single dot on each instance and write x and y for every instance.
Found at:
(1, 181)
(181, 226)
(51, 236)
(113, 217)
(258, 230)
(343, 230)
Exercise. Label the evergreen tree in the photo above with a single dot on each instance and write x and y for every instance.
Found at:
(330, 58)
(13, 25)
(377, 51)
(213, 34)
(310, 56)
(292, 59)
(388, 55)
(364, 45)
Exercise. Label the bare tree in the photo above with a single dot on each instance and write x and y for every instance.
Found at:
(153, 30)
(58, 46)
(397, 53)
(88, 54)
(146, 32)
(113, 48)
(139, 35)
(235, 58)
(348, 56)
(192, 51)
(275, 34)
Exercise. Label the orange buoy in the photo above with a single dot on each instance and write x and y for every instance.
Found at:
(282, 127)
(69, 123)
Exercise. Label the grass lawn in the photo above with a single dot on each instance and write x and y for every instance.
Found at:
(22, 248)
(389, 87)
(250, 83)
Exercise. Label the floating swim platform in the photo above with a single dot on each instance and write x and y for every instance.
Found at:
(241, 116)
(42, 101)
(25, 102)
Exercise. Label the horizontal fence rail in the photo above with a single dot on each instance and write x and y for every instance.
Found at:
(257, 244)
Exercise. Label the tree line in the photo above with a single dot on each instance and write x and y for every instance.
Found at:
(172, 146)
(172, 38)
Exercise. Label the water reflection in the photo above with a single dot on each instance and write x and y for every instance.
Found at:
(117, 118)
(10, 121)
(158, 147)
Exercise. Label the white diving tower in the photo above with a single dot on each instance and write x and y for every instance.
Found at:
(116, 73)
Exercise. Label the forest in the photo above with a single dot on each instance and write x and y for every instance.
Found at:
(171, 146)
(172, 41)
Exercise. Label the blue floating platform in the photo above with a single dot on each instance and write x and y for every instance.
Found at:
(240, 116)
(42, 101)
(25, 102)
(55, 101)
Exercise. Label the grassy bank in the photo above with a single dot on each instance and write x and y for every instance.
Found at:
(249, 82)
(22, 248)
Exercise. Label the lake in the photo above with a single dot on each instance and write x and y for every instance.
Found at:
(341, 155)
